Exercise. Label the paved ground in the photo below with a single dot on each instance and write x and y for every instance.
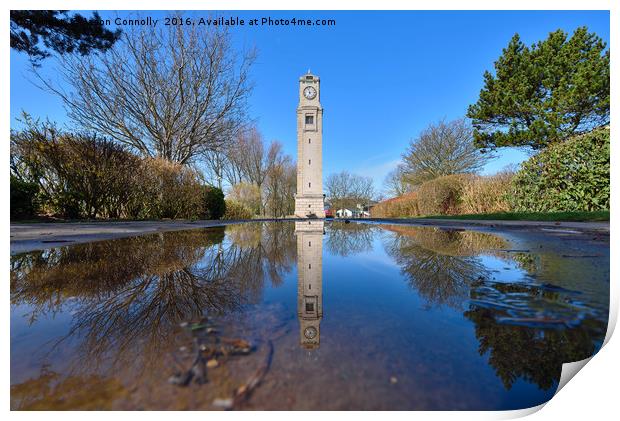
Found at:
(38, 236)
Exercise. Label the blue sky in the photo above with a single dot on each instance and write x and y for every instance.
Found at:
(384, 75)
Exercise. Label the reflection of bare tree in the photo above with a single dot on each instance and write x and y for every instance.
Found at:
(95, 272)
(273, 248)
(127, 296)
(349, 239)
(440, 264)
(281, 248)
(535, 349)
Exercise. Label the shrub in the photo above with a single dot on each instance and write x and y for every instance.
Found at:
(78, 174)
(405, 205)
(84, 175)
(443, 195)
(214, 203)
(451, 195)
(235, 210)
(568, 176)
(487, 194)
(23, 198)
(173, 191)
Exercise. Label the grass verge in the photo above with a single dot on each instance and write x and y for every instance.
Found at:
(531, 216)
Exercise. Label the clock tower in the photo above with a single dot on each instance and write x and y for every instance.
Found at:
(309, 200)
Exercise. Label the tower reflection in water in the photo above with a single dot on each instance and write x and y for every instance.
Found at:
(309, 281)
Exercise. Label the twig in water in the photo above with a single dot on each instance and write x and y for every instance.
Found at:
(243, 392)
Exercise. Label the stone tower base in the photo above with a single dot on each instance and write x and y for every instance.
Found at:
(306, 205)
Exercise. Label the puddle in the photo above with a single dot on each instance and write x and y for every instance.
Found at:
(304, 315)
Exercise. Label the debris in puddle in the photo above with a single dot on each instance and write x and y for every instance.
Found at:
(180, 379)
(533, 305)
(243, 392)
(207, 347)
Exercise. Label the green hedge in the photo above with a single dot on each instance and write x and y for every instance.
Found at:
(568, 176)
(23, 198)
(214, 203)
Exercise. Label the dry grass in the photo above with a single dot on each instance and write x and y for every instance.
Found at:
(486, 194)
(405, 205)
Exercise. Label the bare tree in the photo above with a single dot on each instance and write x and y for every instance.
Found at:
(173, 92)
(261, 177)
(281, 183)
(249, 154)
(254, 160)
(346, 190)
(215, 162)
(442, 149)
(222, 165)
(395, 183)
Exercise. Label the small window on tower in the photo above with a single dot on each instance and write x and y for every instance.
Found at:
(309, 161)
(309, 119)
(309, 140)
(310, 307)
(308, 77)
(309, 184)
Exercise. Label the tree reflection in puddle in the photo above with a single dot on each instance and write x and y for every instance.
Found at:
(127, 297)
(441, 264)
(105, 324)
(528, 329)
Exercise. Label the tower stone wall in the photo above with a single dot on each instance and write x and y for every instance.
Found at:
(309, 199)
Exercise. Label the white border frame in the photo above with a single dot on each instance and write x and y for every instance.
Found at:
(591, 394)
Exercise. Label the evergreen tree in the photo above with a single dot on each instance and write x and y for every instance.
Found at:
(214, 203)
(58, 32)
(544, 93)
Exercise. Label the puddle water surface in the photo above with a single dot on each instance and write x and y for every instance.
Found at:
(306, 315)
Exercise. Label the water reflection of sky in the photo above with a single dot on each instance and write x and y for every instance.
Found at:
(408, 317)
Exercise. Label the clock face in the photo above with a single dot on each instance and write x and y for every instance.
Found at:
(310, 332)
(309, 92)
